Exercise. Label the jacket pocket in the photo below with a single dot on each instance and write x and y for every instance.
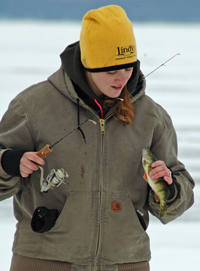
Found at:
(72, 234)
(141, 219)
(123, 237)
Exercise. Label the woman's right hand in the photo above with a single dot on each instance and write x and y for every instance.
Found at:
(28, 163)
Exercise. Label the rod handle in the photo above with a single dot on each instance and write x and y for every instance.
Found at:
(43, 152)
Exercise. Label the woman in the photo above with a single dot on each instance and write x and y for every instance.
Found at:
(98, 221)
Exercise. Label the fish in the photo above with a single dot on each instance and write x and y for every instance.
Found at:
(159, 185)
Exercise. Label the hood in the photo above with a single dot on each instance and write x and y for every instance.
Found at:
(73, 74)
(71, 63)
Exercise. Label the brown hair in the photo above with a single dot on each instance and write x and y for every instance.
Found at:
(124, 108)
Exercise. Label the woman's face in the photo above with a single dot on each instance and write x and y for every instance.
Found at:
(109, 83)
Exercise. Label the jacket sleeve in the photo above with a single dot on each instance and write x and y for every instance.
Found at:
(14, 133)
(164, 147)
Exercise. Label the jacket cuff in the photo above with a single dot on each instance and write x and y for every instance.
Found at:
(172, 198)
(10, 161)
(172, 190)
(3, 174)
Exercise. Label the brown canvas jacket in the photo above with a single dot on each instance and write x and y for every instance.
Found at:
(89, 232)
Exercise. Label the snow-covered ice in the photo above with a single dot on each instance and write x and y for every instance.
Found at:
(29, 53)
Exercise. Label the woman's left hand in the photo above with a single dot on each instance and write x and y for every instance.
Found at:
(160, 170)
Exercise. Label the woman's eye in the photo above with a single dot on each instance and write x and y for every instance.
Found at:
(112, 72)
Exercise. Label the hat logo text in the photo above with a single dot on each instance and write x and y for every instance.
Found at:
(122, 51)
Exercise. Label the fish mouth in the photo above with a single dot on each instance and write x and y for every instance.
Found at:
(145, 156)
(144, 152)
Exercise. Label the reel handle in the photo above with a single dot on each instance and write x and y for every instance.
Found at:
(43, 152)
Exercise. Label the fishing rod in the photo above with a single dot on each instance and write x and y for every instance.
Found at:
(48, 148)
(162, 65)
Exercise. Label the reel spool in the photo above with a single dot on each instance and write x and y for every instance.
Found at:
(53, 180)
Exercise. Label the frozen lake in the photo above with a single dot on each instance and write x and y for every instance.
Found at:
(29, 53)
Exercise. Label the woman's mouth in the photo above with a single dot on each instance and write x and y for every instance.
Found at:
(117, 87)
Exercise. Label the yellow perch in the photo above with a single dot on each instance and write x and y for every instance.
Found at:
(159, 185)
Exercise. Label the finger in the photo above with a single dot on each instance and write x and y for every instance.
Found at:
(168, 180)
(158, 169)
(27, 168)
(35, 158)
(28, 165)
(25, 172)
(159, 172)
(24, 175)
(158, 163)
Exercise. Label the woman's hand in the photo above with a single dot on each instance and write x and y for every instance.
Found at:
(28, 163)
(160, 170)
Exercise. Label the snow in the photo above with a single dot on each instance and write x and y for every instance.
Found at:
(29, 54)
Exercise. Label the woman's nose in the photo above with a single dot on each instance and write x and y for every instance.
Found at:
(121, 77)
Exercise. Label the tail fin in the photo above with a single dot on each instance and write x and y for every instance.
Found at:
(163, 211)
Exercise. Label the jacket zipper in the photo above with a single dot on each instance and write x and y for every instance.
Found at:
(102, 125)
(102, 122)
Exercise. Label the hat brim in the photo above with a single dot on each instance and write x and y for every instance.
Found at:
(112, 68)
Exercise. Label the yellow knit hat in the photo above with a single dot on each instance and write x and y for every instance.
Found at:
(107, 40)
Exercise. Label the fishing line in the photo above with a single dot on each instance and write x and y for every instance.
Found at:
(96, 113)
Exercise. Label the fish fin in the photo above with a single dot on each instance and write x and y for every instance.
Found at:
(163, 211)
(156, 198)
(145, 176)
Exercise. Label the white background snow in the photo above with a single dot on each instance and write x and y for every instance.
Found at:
(29, 53)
